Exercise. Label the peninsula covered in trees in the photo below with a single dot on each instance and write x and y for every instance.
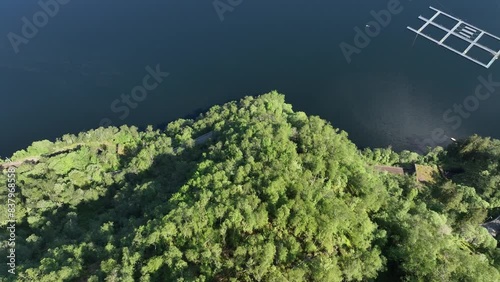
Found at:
(249, 191)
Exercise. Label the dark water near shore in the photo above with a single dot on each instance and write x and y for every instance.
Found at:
(392, 93)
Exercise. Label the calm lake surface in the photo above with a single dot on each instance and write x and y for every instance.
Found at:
(394, 92)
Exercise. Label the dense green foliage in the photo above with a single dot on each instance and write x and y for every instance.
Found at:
(273, 195)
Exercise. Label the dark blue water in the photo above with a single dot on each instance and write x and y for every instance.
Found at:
(394, 92)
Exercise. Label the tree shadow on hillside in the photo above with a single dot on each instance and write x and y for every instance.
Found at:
(129, 203)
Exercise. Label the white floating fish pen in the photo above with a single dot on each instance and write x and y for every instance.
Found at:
(462, 30)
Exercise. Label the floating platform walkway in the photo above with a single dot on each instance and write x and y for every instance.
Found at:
(461, 30)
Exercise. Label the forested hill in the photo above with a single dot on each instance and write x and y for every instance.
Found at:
(268, 195)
